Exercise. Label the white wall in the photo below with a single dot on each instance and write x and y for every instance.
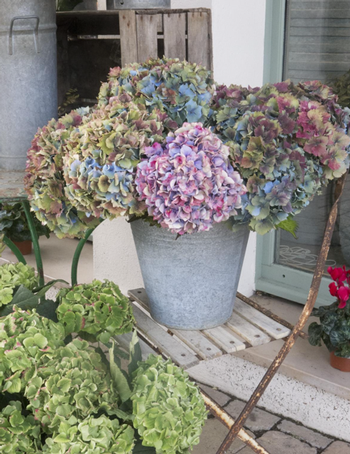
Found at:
(238, 52)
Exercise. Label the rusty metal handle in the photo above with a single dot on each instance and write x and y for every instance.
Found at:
(35, 31)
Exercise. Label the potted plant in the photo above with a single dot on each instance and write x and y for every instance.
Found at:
(334, 327)
(14, 225)
(166, 146)
(62, 396)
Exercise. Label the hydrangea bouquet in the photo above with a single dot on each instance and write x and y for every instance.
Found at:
(165, 143)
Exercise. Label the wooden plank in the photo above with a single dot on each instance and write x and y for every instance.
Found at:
(199, 38)
(128, 38)
(125, 339)
(319, 66)
(225, 339)
(330, 31)
(175, 35)
(147, 46)
(322, 4)
(139, 295)
(319, 23)
(247, 331)
(198, 343)
(272, 328)
(164, 341)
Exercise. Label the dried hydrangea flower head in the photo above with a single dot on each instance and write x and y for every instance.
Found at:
(287, 141)
(188, 183)
(101, 155)
(44, 182)
(180, 89)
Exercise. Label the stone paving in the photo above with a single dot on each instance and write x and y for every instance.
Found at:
(278, 435)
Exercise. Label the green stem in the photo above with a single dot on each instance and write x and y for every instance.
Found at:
(14, 249)
(34, 235)
(76, 256)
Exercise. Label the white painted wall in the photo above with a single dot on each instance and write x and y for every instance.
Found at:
(238, 52)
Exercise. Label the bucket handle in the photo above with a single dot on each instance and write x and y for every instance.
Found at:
(35, 31)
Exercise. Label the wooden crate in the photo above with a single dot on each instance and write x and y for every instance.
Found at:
(89, 43)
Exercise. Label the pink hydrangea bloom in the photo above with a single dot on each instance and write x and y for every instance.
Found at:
(188, 183)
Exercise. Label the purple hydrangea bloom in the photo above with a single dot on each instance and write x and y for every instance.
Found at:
(188, 183)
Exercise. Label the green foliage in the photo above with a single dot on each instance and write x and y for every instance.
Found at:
(18, 433)
(72, 385)
(333, 329)
(92, 436)
(67, 5)
(12, 276)
(168, 408)
(98, 309)
(341, 87)
(289, 225)
(24, 338)
(14, 224)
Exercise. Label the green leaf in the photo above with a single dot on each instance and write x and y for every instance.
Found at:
(135, 353)
(23, 298)
(289, 225)
(118, 377)
(315, 334)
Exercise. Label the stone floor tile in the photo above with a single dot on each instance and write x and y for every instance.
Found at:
(212, 436)
(258, 419)
(278, 442)
(338, 447)
(216, 395)
(304, 434)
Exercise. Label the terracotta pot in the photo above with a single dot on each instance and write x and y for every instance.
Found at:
(340, 363)
(24, 246)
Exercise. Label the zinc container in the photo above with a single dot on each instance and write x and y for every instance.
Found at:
(28, 75)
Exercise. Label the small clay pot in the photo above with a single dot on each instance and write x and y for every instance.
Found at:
(24, 246)
(338, 362)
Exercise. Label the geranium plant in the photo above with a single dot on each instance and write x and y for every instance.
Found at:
(334, 326)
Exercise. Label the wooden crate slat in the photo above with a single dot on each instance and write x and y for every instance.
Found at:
(128, 37)
(198, 38)
(147, 45)
(175, 35)
(247, 331)
(125, 339)
(163, 340)
(139, 295)
(225, 339)
(272, 328)
(198, 343)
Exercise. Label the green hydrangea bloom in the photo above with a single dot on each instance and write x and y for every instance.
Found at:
(13, 275)
(99, 309)
(18, 433)
(92, 436)
(25, 337)
(168, 408)
(70, 386)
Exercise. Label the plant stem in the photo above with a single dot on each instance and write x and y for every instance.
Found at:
(76, 256)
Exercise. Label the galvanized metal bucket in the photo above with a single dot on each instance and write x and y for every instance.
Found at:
(28, 75)
(191, 281)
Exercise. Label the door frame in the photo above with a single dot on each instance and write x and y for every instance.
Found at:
(279, 280)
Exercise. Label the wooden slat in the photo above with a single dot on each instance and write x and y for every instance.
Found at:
(272, 328)
(147, 46)
(247, 331)
(319, 23)
(321, 4)
(139, 295)
(125, 339)
(198, 38)
(198, 343)
(167, 344)
(175, 35)
(225, 339)
(316, 58)
(302, 31)
(324, 14)
(128, 37)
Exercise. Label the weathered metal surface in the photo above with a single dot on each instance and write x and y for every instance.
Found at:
(228, 421)
(176, 292)
(28, 75)
(316, 281)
